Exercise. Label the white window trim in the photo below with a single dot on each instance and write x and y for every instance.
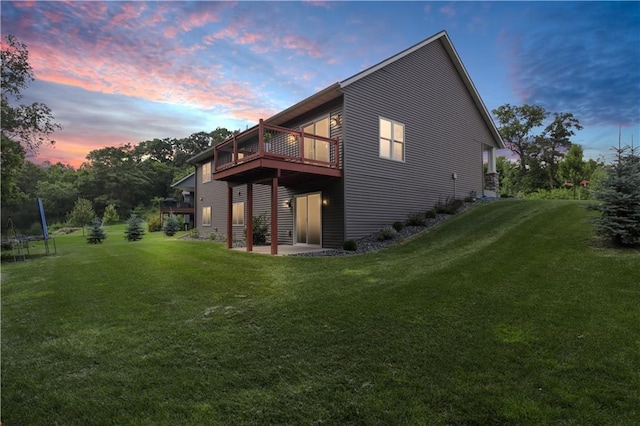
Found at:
(392, 140)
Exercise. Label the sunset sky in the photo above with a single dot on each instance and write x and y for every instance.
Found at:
(125, 72)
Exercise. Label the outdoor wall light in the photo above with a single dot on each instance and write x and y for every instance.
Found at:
(288, 203)
(336, 120)
(325, 202)
(291, 139)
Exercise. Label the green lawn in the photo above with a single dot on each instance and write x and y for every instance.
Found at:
(507, 313)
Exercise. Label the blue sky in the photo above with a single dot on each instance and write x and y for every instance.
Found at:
(125, 72)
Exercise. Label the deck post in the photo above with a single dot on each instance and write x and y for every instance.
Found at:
(215, 159)
(250, 216)
(260, 137)
(274, 214)
(229, 215)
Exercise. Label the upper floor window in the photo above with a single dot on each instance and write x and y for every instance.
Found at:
(206, 172)
(238, 214)
(314, 148)
(391, 139)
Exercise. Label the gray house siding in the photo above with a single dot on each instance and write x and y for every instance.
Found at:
(444, 133)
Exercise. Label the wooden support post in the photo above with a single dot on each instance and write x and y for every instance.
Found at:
(274, 214)
(249, 217)
(229, 215)
(260, 138)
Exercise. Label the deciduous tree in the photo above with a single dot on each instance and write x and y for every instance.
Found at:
(516, 125)
(31, 125)
(82, 213)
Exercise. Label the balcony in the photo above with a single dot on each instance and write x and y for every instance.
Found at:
(171, 206)
(266, 151)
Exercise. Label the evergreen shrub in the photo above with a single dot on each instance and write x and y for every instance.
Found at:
(96, 232)
(350, 245)
(171, 225)
(133, 231)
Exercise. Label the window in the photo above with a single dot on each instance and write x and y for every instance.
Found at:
(206, 216)
(206, 172)
(238, 214)
(317, 149)
(391, 139)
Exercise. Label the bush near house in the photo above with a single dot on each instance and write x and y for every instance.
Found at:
(415, 219)
(350, 245)
(386, 233)
(450, 206)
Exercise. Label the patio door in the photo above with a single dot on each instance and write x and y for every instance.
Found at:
(317, 149)
(308, 223)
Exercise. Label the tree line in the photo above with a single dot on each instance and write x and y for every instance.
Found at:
(543, 160)
(125, 177)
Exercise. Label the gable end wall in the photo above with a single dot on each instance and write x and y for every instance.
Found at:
(444, 133)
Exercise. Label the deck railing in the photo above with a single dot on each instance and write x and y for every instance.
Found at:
(278, 143)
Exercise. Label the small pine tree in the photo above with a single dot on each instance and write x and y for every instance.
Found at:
(134, 230)
(171, 226)
(620, 199)
(111, 215)
(96, 232)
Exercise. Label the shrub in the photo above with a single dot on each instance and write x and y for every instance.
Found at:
(430, 214)
(171, 226)
(451, 206)
(96, 232)
(415, 219)
(350, 245)
(133, 231)
(213, 236)
(154, 224)
(386, 233)
(398, 226)
(260, 229)
(195, 233)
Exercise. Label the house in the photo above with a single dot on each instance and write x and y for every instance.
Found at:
(184, 208)
(358, 155)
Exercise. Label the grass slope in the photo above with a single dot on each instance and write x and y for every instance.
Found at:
(504, 314)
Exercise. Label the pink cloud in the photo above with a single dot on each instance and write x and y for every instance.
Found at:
(301, 44)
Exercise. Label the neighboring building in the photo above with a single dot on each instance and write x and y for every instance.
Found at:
(389, 141)
(185, 207)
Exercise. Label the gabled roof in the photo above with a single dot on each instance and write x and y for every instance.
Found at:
(187, 183)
